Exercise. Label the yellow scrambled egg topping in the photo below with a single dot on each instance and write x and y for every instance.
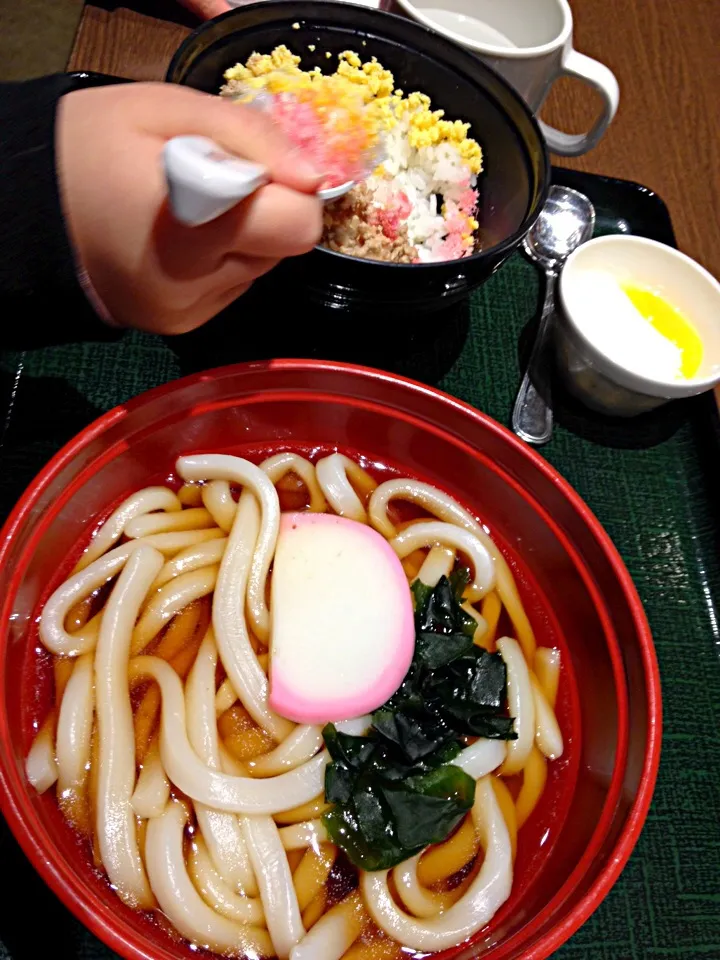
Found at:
(280, 72)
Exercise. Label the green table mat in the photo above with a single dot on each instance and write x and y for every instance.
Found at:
(654, 484)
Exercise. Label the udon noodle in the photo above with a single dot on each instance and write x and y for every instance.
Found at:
(200, 801)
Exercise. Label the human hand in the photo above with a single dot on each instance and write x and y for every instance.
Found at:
(150, 271)
(206, 9)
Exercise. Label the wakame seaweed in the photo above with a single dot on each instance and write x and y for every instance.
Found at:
(395, 790)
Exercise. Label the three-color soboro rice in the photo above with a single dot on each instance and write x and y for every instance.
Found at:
(418, 204)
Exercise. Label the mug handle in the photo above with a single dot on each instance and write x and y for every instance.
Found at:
(597, 75)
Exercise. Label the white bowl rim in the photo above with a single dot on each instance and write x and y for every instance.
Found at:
(490, 49)
(649, 386)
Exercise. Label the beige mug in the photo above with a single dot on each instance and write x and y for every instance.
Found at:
(528, 42)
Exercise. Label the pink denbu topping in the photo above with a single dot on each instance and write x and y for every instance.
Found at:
(340, 156)
(468, 201)
(451, 248)
(390, 216)
(404, 206)
(458, 241)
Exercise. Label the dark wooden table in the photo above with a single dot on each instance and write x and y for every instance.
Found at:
(665, 53)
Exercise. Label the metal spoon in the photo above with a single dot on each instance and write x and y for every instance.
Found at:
(204, 181)
(566, 221)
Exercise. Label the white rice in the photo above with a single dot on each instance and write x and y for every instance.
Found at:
(424, 175)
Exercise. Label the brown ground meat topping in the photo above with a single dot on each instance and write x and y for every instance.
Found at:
(232, 88)
(349, 227)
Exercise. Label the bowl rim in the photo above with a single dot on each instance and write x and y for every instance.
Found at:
(507, 245)
(491, 49)
(50, 866)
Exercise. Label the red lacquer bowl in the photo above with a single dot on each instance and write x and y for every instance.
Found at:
(575, 587)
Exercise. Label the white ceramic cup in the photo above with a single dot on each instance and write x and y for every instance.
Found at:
(529, 42)
(602, 382)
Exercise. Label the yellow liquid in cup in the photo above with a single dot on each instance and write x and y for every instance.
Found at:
(671, 324)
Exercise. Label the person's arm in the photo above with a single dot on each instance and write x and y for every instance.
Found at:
(41, 299)
(82, 195)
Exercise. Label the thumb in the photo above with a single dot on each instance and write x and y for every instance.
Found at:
(174, 110)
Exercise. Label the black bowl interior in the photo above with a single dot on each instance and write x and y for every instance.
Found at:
(514, 180)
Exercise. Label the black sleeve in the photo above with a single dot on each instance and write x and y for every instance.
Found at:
(41, 300)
